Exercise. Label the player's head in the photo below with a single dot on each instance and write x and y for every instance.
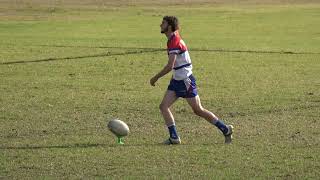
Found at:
(169, 23)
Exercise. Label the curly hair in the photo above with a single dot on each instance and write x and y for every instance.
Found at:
(172, 21)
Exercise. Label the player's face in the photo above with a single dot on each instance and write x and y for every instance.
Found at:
(164, 26)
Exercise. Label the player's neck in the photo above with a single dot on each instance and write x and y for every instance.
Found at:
(169, 34)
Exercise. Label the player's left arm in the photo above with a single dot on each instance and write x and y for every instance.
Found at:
(166, 69)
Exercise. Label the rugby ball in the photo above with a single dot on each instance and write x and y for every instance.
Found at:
(118, 127)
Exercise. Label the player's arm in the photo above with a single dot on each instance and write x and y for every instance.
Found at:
(166, 69)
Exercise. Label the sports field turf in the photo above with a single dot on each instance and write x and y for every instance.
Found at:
(67, 68)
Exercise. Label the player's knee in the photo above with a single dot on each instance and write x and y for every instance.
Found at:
(198, 111)
(163, 107)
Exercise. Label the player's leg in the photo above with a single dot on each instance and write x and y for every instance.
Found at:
(168, 99)
(197, 108)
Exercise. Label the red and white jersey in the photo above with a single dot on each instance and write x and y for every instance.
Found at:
(182, 67)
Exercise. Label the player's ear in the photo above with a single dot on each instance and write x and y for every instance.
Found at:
(169, 27)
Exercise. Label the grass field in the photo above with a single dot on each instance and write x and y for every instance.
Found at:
(66, 68)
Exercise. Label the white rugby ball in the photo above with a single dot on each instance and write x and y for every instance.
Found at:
(118, 127)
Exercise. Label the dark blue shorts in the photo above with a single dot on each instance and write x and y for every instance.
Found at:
(186, 88)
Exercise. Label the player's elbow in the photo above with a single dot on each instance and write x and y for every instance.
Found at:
(169, 67)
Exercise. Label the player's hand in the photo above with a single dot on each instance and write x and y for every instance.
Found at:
(153, 81)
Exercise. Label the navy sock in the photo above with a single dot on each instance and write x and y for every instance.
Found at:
(220, 125)
(173, 132)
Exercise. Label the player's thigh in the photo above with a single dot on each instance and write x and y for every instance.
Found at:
(195, 103)
(168, 99)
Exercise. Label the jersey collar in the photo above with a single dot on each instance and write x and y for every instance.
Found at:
(173, 35)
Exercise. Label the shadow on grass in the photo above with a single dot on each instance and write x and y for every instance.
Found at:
(76, 57)
(75, 146)
(193, 49)
(54, 146)
(140, 51)
(69, 146)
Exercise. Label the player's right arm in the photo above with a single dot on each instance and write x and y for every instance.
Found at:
(166, 69)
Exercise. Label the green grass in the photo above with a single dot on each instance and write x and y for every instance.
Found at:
(65, 71)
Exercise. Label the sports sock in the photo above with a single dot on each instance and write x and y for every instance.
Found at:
(220, 125)
(173, 132)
